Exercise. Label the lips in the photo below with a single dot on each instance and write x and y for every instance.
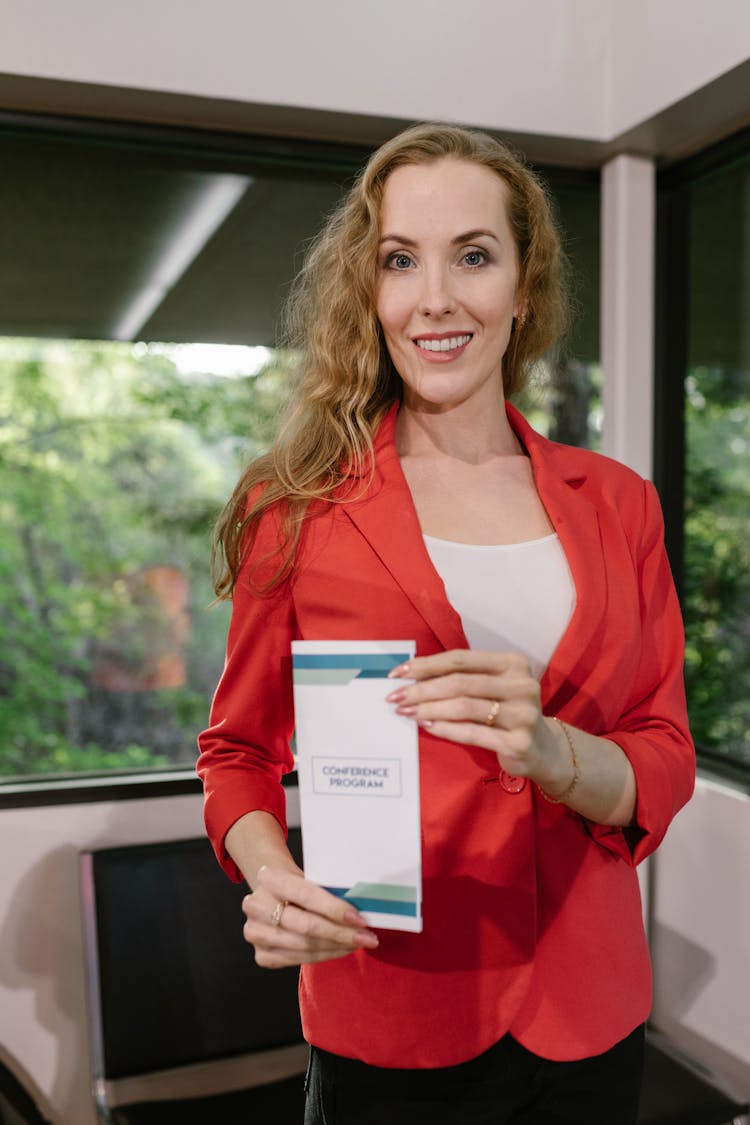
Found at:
(442, 343)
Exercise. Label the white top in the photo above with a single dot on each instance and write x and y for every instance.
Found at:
(517, 597)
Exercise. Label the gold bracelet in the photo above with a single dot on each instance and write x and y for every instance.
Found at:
(576, 769)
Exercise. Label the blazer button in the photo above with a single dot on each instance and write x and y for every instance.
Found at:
(512, 784)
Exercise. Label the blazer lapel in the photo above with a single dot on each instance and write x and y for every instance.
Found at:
(388, 520)
(576, 521)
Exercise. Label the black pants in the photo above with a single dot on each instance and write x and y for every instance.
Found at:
(507, 1085)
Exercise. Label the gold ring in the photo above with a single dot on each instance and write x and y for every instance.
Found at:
(278, 910)
(490, 720)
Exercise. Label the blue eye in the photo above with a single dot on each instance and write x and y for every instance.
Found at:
(399, 261)
(475, 258)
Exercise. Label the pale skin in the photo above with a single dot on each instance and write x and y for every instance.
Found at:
(448, 298)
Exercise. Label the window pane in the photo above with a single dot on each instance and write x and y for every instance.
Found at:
(114, 461)
(116, 457)
(564, 399)
(717, 485)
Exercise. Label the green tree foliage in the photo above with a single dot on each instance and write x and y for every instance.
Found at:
(113, 467)
(717, 560)
(563, 401)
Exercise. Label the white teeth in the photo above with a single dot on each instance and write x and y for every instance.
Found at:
(447, 345)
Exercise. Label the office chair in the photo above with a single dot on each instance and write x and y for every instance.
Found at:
(184, 1026)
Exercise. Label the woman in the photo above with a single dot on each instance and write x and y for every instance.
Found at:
(406, 498)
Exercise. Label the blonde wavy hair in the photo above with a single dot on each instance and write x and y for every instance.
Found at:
(346, 381)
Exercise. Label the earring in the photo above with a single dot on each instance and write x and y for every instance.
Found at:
(520, 321)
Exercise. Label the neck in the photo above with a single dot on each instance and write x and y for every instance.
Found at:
(464, 432)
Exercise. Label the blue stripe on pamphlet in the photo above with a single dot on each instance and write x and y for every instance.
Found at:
(366, 665)
(377, 905)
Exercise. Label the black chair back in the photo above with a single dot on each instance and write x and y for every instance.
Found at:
(17, 1106)
(172, 983)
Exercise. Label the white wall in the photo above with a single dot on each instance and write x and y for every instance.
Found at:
(536, 66)
(628, 218)
(564, 68)
(700, 931)
(663, 50)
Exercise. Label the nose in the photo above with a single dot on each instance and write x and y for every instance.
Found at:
(437, 297)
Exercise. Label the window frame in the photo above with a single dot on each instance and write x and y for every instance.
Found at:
(104, 788)
(672, 265)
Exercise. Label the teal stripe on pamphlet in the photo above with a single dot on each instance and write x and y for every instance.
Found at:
(384, 906)
(373, 661)
(341, 668)
(375, 673)
(389, 899)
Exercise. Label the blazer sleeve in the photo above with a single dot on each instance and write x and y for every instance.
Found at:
(245, 750)
(653, 728)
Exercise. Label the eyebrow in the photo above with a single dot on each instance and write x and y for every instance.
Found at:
(467, 236)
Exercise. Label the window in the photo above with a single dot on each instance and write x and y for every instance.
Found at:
(563, 400)
(116, 457)
(121, 437)
(706, 208)
(114, 461)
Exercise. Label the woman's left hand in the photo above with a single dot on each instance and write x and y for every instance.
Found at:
(491, 699)
(487, 699)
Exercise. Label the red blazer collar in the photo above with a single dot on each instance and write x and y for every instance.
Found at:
(386, 516)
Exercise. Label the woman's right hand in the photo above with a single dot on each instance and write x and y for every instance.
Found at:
(292, 921)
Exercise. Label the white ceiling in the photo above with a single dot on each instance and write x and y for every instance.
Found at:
(597, 75)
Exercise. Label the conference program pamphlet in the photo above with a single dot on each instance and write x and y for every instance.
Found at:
(358, 770)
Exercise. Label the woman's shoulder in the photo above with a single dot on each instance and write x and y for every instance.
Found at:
(603, 481)
(574, 462)
(599, 467)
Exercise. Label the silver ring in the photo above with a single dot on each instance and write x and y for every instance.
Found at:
(278, 910)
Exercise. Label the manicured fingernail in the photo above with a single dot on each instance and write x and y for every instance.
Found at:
(426, 723)
(398, 673)
(406, 711)
(396, 696)
(367, 939)
(354, 917)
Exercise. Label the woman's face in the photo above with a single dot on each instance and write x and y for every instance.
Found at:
(446, 292)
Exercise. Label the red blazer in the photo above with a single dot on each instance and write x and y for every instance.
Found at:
(532, 915)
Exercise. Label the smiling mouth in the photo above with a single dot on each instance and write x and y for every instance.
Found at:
(447, 344)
